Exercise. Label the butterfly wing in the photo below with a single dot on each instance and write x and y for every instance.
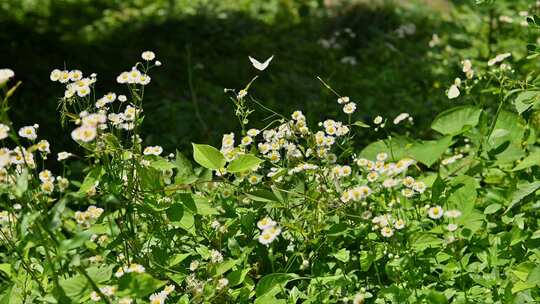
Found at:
(256, 63)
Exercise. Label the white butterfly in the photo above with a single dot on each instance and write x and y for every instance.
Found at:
(260, 66)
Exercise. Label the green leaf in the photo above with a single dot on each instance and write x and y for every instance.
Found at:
(185, 174)
(181, 217)
(436, 297)
(342, 255)
(22, 183)
(244, 162)
(428, 152)
(531, 160)
(525, 100)
(138, 285)
(454, 120)
(91, 179)
(492, 208)
(521, 192)
(12, 295)
(224, 266)
(162, 164)
(237, 277)
(361, 124)
(270, 281)
(208, 157)
(75, 242)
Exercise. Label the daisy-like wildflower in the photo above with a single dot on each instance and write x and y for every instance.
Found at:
(194, 265)
(246, 140)
(266, 223)
(378, 120)
(435, 212)
(222, 283)
(267, 237)
(75, 75)
(122, 98)
(399, 224)
(157, 298)
(4, 131)
(349, 108)
(387, 232)
(5, 75)
(46, 176)
(452, 227)
(254, 179)
(343, 100)
(28, 132)
(148, 55)
(153, 150)
(216, 256)
(84, 133)
(435, 40)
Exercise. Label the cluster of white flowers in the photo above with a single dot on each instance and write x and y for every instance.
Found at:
(405, 30)
(356, 194)
(216, 256)
(160, 297)
(467, 68)
(349, 107)
(106, 290)
(89, 125)
(133, 77)
(333, 41)
(47, 181)
(300, 168)
(75, 83)
(435, 40)
(269, 230)
(132, 268)
(386, 224)
(91, 214)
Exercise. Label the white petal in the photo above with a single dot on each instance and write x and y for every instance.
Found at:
(453, 92)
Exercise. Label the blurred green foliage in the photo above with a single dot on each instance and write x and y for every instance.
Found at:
(204, 44)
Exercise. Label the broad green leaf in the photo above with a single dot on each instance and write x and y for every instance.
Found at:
(269, 281)
(428, 152)
(492, 208)
(342, 255)
(208, 157)
(531, 160)
(454, 120)
(244, 162)
(181, 217)
(224, 266)
(12, 295)
(162, 164)
(521, 192)
(525, 100)
(394, 147)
